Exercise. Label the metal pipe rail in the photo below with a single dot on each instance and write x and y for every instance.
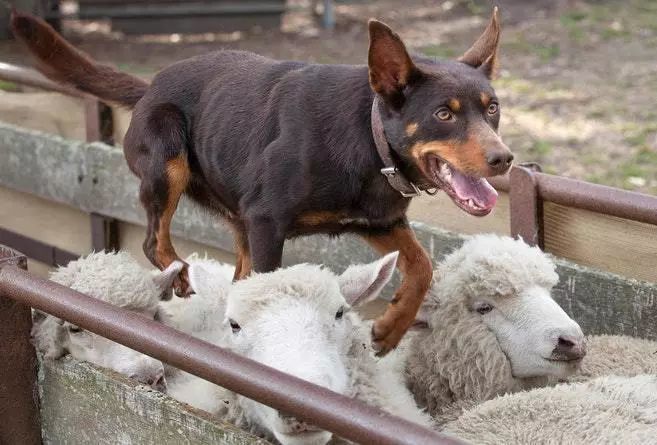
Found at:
(346, 417)
(588, 196)
(32, 78)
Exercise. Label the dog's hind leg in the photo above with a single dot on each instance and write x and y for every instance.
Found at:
(164, 176)
(415, 265)
(243, 264)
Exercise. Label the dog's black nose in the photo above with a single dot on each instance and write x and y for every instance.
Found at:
(500, 160)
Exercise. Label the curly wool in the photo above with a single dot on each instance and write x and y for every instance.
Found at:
(618, 355)
(116, 278)
(605, 410)
(458, 361)
(509, 266)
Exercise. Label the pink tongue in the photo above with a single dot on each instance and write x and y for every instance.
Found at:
(477, 189)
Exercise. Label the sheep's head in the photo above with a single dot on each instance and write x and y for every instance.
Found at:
(117, 279)
(297, 321)
(492, 309)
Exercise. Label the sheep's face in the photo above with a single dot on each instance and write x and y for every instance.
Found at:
(297, 321)
(506, 285)
(115, 278)
(301, 335)
(92, 348)
(536, 335)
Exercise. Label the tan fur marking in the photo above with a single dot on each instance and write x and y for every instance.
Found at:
(319, 218)
(243, 265)
(468, 157)
(485, 99)
(455, 105)
(178, 174)
(411, 129)
(415, 265)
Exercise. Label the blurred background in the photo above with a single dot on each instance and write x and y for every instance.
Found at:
(578, 83)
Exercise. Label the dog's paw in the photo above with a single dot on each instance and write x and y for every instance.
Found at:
(181, 286)
(387, 332)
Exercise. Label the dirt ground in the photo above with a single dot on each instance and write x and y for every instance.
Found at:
(578, 83)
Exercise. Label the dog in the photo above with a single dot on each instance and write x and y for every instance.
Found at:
(281, 149)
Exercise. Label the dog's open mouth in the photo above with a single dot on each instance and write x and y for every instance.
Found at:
(474, 195)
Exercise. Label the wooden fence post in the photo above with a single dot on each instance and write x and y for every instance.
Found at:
(19, 395)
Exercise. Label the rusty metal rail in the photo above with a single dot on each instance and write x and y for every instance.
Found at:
(528, 190)
(32, 78)
(346, 417)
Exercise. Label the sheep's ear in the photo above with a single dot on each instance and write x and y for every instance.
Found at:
(483, 54)
(363, 282)
(208, 280)
(48, 337)
(164, 280)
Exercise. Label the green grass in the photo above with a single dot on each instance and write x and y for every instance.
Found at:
(541, 147)
(572, 21)
(548, 52)
(8, 86)
(439, 51)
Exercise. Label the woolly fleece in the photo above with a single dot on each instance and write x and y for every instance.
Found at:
(618, 410)
(458, 360)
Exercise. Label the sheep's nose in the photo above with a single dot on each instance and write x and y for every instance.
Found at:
(295, 425)
(158, 383)
(155, 381)
(569, 348)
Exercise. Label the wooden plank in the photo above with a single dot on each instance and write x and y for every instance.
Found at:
(440, 211)
(63, 227)
(85, 405)
(613, 244)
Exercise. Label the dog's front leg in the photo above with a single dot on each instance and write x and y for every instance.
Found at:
(266, 239)
(415, 265)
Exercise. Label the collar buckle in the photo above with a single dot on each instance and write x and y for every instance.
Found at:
(391, 174)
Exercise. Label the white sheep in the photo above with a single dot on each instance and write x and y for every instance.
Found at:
(492, 328)
(619, 355)
(118, 279)
(612, 409)
(297, 320)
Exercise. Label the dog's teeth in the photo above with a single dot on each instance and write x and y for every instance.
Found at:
(470, 202)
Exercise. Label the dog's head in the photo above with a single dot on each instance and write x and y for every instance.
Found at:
(441, 117)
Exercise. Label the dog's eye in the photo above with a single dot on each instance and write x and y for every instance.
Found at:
(74, 329)
(234, 326)
(339, 314)
(493, 108)
(444, 114)
(483, 308)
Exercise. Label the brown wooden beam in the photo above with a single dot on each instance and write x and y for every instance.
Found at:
(19, 395)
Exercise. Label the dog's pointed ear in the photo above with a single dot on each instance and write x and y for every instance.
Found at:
(390, 67)
(483, 54)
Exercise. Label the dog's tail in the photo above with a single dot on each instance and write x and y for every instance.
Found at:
(62, 62)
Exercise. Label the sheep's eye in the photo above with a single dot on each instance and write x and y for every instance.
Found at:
(74, 329)
(234, 326)
(339, 314)
(484, 308)
(493, 108)
(444, 114)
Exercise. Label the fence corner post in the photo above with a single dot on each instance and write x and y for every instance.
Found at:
(526, 207)
(19, 394)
